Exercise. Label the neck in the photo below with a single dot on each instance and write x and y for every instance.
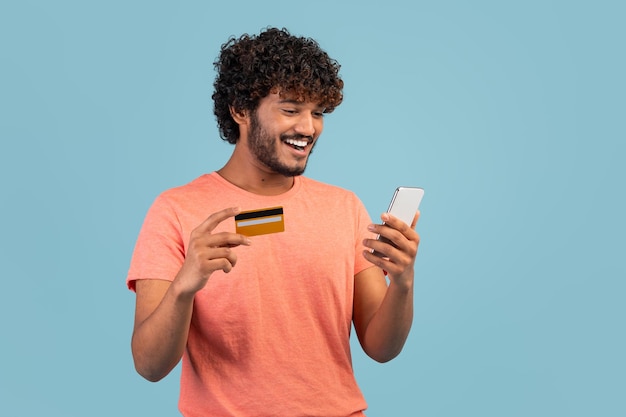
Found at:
(255, 179)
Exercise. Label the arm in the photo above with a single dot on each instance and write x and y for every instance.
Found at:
(163, 309)
(383, 314)
(162, 318)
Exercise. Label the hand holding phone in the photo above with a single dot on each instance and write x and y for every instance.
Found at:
(404, 204)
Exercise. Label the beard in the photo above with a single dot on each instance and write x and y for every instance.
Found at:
(264, 147)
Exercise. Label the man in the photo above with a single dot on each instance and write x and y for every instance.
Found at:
(262, 323)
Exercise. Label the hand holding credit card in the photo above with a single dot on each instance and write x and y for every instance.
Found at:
(260, 221)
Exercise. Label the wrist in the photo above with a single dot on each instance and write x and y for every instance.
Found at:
(403, 284)
(181, 291)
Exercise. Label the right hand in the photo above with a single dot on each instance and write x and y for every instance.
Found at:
(208, 252)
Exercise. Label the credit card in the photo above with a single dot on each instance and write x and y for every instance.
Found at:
(260, 222)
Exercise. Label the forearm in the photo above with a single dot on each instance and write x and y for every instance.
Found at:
(389, 328)
(159, 341)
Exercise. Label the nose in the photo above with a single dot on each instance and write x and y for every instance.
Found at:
(308, 125)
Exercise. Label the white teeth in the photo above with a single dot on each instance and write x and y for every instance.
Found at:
(300, 143)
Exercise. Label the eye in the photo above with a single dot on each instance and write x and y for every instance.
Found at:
(318, 114)
(290, 112)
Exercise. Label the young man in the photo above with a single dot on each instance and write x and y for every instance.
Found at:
(262, 323)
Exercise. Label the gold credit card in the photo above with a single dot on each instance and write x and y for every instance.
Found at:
(260, 222)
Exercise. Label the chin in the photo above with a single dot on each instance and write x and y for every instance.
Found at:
(293, 173)
(290, 172)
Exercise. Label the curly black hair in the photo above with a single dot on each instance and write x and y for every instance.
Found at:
(251, 67)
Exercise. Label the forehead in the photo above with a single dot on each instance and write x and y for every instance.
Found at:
(282, 97)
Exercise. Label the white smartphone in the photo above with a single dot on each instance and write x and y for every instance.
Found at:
(404, 204)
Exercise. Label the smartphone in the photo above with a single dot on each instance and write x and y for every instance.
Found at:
(404, 204)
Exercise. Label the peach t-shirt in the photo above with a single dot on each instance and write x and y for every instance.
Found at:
(270, 338)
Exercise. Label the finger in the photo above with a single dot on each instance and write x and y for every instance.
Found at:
(227, 239)
(216, 218)
(217, 264)
(394, 222)
(377, 247)
(415, 219)
(381, 244)
(378, 260)
(393, 261)
(224, 258)
(395, 237)
(392, 244)
(215, 259)
(385, 248)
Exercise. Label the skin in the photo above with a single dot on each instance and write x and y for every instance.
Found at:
(382, 313)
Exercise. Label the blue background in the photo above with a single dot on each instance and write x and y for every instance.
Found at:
(510, 115)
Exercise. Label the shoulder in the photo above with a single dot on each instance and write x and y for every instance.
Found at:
(191, 187)
(181, 199)
(190, 192)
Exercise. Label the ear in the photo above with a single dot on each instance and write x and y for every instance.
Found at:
(239, 116)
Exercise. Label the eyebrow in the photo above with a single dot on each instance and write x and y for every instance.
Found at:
(289, 101)
(298, 103)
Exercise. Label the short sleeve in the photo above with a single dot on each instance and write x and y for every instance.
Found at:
(363, 219)
(159, 251)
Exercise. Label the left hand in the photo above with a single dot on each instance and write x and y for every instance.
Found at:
(396, 249)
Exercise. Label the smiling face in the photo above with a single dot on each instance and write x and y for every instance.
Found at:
(282, 133)
(252, 66)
